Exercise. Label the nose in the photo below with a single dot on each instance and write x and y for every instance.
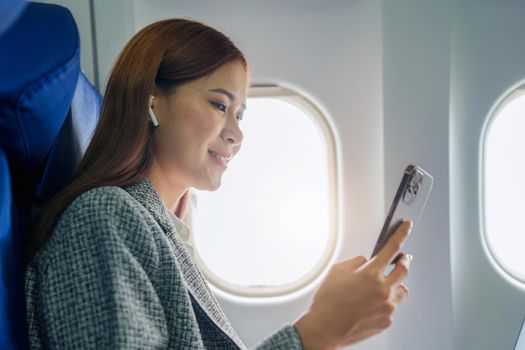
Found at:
(232, 133)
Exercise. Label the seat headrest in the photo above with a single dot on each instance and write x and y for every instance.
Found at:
(39, 68)
(9, 12)
(72, 140)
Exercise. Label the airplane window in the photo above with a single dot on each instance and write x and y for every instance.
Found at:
(504, 188)
(271, 227)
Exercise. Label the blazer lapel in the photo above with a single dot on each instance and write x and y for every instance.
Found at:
(145, 194)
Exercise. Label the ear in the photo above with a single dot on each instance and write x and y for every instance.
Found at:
(152, 116)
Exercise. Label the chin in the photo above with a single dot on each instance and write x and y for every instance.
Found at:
(211, 186)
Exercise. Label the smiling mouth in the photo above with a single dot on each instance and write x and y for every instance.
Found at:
(220, 159)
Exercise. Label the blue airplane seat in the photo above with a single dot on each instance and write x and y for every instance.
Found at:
(9, 12)
(48, 110)
(39, 68)
(72, 141)
(12, 307)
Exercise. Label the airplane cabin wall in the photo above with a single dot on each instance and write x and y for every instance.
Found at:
(401, 81)
(487, 62)
(416, 41)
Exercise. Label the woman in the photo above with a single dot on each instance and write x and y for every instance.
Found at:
(108, 267)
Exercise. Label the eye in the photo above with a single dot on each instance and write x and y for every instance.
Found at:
(239, 117)
(219, 106)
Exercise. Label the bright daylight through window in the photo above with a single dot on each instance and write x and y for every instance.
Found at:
(271, 227)
(504, 188)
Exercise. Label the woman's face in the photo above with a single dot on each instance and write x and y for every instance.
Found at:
(198, 130)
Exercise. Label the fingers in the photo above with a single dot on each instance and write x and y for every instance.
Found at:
(379, 319)
(356, 262)
(352, 264)
(400, 271)
(393, 245)
(400, 294)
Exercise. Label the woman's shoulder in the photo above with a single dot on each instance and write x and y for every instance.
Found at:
(106, 215)
(102, 199)
(103, 203)
(102, 207)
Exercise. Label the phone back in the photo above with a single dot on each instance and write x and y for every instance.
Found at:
(408, 204)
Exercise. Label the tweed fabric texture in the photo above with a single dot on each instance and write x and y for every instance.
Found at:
(116, 275)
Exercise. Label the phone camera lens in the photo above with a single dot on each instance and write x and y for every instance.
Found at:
(408, 197)
(413, 188)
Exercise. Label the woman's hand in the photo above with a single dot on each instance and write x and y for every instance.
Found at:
(357, 300)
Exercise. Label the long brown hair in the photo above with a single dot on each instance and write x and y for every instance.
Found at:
(162, 56)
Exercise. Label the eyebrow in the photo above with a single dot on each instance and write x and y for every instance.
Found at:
(228, 94)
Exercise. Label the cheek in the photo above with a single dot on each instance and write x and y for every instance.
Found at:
(236, 149)
(210, 134)
(190, 133)
(206, 128)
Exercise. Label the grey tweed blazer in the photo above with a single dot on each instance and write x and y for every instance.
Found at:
(116, 275)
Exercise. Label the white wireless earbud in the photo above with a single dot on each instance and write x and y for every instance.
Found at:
(152, 115)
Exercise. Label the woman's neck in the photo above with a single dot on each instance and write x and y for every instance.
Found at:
(170, 193)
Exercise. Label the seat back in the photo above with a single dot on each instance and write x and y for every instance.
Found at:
(48, 110)
(9, 12)
(13, 333)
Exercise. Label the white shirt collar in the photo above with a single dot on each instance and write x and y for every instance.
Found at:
(184, 233)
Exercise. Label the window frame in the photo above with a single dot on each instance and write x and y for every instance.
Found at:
(321, 121)
(510, 96)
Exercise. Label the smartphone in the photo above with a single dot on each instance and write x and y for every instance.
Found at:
(520, 342)
(408, 204)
